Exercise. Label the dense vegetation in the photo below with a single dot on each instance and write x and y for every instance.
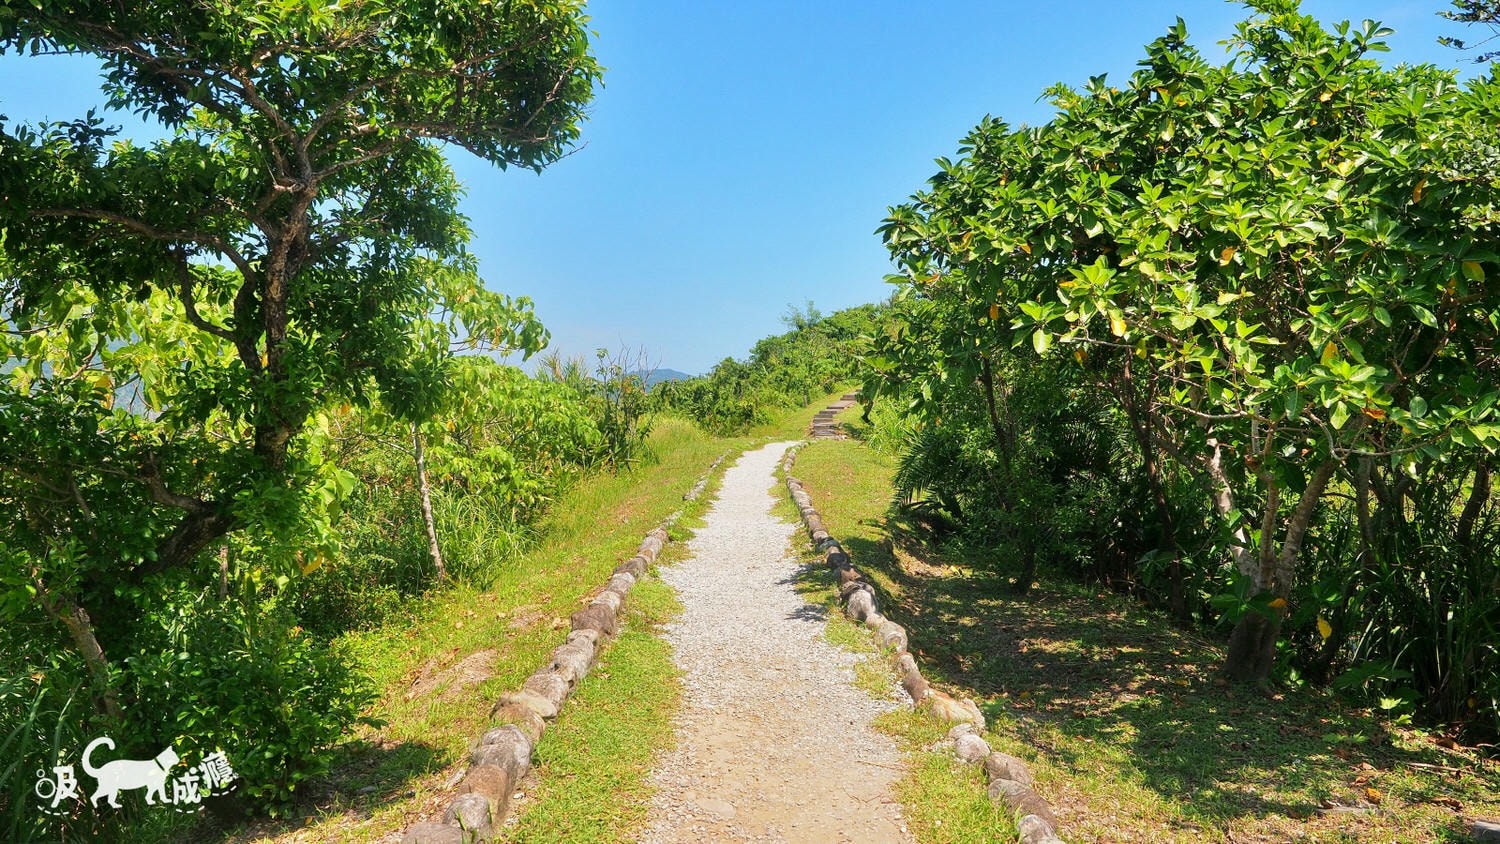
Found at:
(1225, 334)
(788, 370)
(226, 349)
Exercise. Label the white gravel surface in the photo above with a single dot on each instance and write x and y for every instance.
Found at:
(774, 740)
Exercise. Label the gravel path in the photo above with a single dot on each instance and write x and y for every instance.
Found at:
(774, 740)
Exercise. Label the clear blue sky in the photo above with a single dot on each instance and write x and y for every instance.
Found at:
(741, 154)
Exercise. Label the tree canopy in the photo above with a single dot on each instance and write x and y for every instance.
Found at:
(1288, 260)
(177, 314)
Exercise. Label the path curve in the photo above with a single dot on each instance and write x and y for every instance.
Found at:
(774, 740)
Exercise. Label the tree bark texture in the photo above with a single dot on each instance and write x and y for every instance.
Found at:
(433, 549)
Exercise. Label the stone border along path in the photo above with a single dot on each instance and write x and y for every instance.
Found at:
(1011, 782)
(502, 756)
(774, 742)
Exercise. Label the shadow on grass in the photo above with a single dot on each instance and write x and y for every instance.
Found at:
(365, 776)
(1095, 682)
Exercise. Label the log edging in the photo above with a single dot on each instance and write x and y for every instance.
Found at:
(501, 756)
(1010, 781)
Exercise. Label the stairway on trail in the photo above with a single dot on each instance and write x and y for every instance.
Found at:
(823, 426)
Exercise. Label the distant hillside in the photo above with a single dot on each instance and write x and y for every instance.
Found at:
(656, 376)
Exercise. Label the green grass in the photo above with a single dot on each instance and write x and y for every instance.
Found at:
(430, 713)
(388, 777)
(592, 764)
(1119, 712)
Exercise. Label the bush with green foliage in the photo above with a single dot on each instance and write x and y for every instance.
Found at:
(234, 674)
(819, 354)
(1277, 274)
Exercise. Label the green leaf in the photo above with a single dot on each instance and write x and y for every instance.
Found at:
(1339, 416)
(1041, 340)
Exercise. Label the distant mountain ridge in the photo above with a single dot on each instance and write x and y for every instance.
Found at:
(652, 377)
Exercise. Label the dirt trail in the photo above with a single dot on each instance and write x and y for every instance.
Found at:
(774, 740)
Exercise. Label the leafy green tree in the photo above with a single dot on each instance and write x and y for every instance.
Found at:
(1288, 253)
(176, 314)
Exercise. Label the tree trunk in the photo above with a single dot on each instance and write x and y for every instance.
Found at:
(1166, 534)
(1479, 495)
(1223, 501)
(1004, 437)
(426, 492)
(1252, 644)
(81, 630)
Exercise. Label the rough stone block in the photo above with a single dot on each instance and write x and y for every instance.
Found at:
(817, 535)
(860, 605)
(1022, 800)
(1032, 829)
(946, 708)
(586, 635)
(573, 660)
(524, 718)
(513, 759)
(536, 704)
(620, 583)
(1003, 766)
(847, 575)
(892, 635)
(612, 600)
(493, 784)
(597, 617)
(549, 685)
(970, 748)
(471, 812)
(1486, 831)
(635, 566)
(434, 833)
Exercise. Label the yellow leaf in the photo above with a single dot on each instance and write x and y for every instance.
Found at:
(103, 381)
(1473, 271)
(1325, 96)
(1324, 628)
(1278, 604)
(1227, 255)
(1026, 247)
(1079, 355)
(995, 311)
(1373, 795)
(1117, 325)
(1330, 352)
(1416, 192)
(1375, 413)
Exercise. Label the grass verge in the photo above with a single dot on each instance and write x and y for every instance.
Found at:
(1119, 713)
(442, 662)
(441, 665)
(589, 780)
